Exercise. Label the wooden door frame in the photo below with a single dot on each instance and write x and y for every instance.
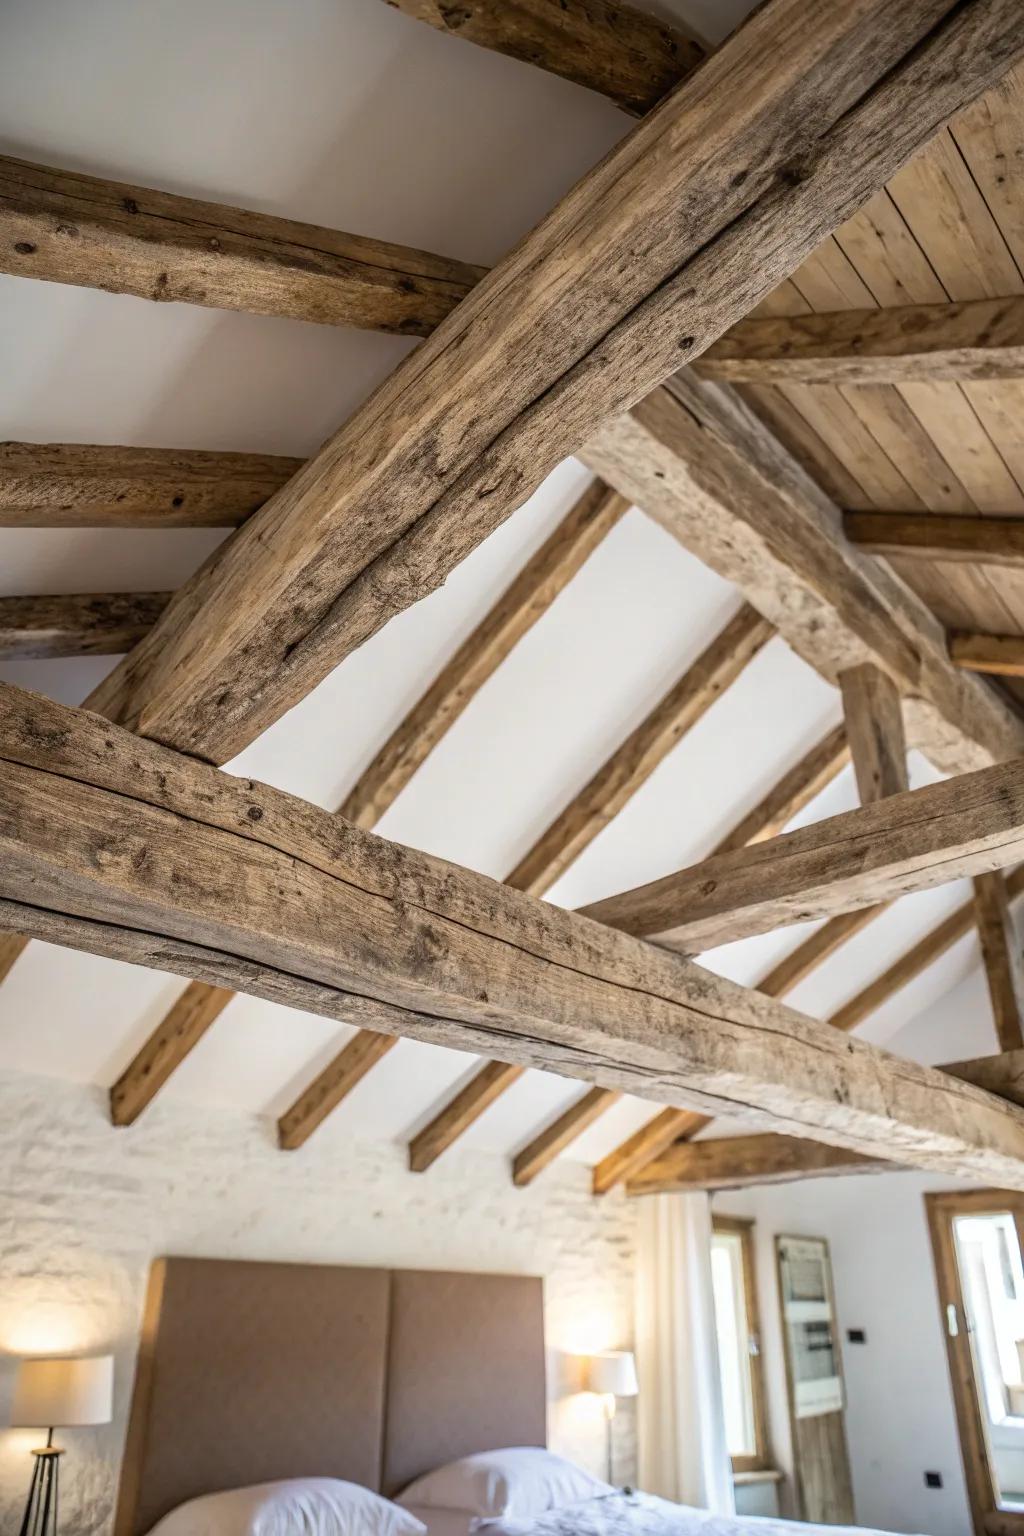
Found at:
(982, 1496)
(743, 1227)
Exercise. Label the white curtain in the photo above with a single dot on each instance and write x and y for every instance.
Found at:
(680, 1425)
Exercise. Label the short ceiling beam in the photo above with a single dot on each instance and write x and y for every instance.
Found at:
(174, 1038)
(1001, 957)
(1000, 655)
(331, 1086)
(483, 1088)
(66, 227)
(645, 1144)
(874, 727)
(93, 624)
(976, 540)
(79, 485)
(545, 1147)
(739, 1162)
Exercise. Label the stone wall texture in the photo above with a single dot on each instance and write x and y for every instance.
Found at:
(84, 1208)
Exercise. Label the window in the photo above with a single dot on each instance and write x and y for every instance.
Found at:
(976, 1242)
(739, 1344)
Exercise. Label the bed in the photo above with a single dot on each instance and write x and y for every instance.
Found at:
(254, 1373)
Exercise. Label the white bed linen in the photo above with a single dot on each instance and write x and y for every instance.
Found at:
(443, 1522)
(641, 1514)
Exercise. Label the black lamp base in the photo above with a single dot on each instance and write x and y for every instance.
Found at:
(40, 1518)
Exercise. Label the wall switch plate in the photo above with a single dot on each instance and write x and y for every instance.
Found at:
(856, 1336)
(933, 1479)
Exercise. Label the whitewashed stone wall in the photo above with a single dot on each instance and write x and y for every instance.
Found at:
(84, 1208)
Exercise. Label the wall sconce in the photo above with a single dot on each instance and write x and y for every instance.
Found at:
(610, 1375)
(51, 1392)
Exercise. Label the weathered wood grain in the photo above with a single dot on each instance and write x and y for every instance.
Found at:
(738, 1162)
(938, 536)
(178, 1033)
(79, 485)
(705, 207)
(631, 764)
(874, 728)
(463, 1111)
(114, 844)
(625, 54)
(1000, 655)
(694, 458)
(979, 340)
(968, 825)
(11, 946)
(530, 595)
(83, 624)
(542, 1150)
(85, 230)
(331, 1086)
(644, 1145)
(1002, 1074)
(1002, 958)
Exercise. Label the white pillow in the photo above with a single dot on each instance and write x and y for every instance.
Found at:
(301, 1506)
(524, 1481)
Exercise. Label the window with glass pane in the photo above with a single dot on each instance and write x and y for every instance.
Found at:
(736, 1324)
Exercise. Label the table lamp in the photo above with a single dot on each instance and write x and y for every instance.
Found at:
(55, 1392)
(611, 1376)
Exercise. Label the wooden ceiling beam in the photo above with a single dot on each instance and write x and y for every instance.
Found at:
(908, 842)
(818, 947)
(1001, 957)
(69, 228)
(645, 1144)
(544, 348)
(798, 788)
(979, 340)
(625, 54)
(78, 485)
(938, 536)
(874, 727)
(82, 624)
(531, 594)
(484, 1087)
(541, 1151)
(1000, 655)
(356, 1058)
(696, 460)
(631, 764)
(231, 882)
(1002, 1075)
(738, 1162)
(174, 1038)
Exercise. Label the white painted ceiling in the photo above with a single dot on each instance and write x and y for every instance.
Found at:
(344, 113)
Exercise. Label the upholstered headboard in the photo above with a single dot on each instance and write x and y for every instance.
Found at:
(249, 1372)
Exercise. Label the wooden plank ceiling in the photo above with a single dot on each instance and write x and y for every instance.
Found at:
(895, 424)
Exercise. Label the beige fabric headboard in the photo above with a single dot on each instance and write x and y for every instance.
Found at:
(249, 1372)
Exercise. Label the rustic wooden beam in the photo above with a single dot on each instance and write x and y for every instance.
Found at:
(530, 595)
(116, 845)
(1002, 1075)
(542, 1150)
(463, 1111)
(631, 764)
(695, 459)
(70, 228)
(938, 536)
(545, 347)
(813, 951)
(1001, 955)
(177, 1034)
(78, 485)
(1001, 655)
(983, 339)
(83, 624)
(11, 946)
(645, 1144)
(909, 842)
(331, 1086)
(797, 788)
(624, 54)
(738, 1162)
(874, 727)
(916, 960)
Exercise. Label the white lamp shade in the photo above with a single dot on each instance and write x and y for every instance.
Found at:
(63, 1391)
(613, 1375)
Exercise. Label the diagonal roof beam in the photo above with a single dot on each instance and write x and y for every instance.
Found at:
(79, 624)
(908, 842)
(763, 162)
(736, 1162)
(625, 54)
(240, 885)
(696, 460)
(970, 540)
